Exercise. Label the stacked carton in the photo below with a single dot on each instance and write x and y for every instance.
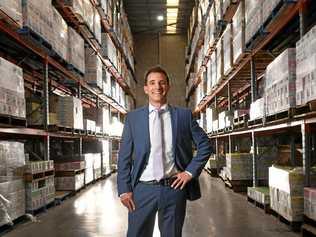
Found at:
(106, 158)
(310, 203)
(259, 194)
(238, 25)
(88, 14)
(97, 26)
(219, 61)
(89, 171)
(97, 164)
(70, 112)
(12, 157)
(93, 68)
(257, 109)
(89, 125)
(253, 18)
(280, 83)
(12, 101)
(12, 199)
(76, 52)
(225, 119)
(211, 115)
(213, 60)
(286, 192)
(60, 33)
(228, 49)
(13, 9)
(306, 68)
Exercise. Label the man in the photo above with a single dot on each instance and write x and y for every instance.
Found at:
(156, 171)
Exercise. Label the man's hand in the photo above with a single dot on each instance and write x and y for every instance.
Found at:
(181, 180)
(127, 200)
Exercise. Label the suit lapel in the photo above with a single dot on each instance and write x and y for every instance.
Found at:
(174, 125)
(145, 121)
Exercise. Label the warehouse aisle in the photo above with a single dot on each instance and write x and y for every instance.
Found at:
(96, 211)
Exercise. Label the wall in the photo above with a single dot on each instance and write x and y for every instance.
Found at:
(168, 51)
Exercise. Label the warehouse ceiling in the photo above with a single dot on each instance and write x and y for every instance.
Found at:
(143, 15)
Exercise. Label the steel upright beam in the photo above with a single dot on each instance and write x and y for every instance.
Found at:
(253, 80)
(293, 150)
(229, 93)
(254, 159)
(306, 147)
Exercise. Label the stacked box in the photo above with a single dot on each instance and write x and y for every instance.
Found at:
(70, 183)
(97, 26)
(97, 164)
(219, 61)
(225, 119)
(38, 16)
(89, 125)
(88, 14)
(253, 18)
(12, 101)
(39, 166)
(100, 115)
(76, 52)
(310, 203)
(109, 49)
(238, 25)
(68, 166)
(240, 112)
(93, 68)
(76, 6)
(257, 109)
(306, 68)
(106, 158)
(211, 115)
(280, 83)
(12, 157)
(60, 33)
(13, 9)
(12, 199)
(218, 4)
(210, 29)
(70, 112)
(228, 49)
(259, 194)
(213, 61)
(286, 192)
(239, 166)
(89, 171)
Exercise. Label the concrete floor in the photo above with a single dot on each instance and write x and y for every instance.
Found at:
(97, 212)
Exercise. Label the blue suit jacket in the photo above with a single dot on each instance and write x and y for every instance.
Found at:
(135, 148)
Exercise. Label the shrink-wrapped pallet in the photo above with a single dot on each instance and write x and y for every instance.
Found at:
(239, 166)
(306, 68)
(225, 119)
(12, 199)
(286, 192)
(70, 112)
(88, 14)
(238, 25)
(12, 157)
(109, 49)
(100, 115)
(89, 161)
(97, 173)
(213, 60)
(210, 31)
(257, 109)
(228, 49)
(70, 183)
(38, 16)
(280, 82)
(12, 101)
(38, 166)
(310, 202)
(89, 125)
(12, 9)
(97, 26)
(106, 157)
(76, 52)
(60, 39)
(211, 115)
(93, 68)
(253, 18)
(219, 61)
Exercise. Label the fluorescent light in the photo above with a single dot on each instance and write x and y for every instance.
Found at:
(172, 3)
(160, 18)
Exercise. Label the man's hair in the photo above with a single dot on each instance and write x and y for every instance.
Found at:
(156, 69)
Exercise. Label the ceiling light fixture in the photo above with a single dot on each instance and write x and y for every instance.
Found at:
(160, 18)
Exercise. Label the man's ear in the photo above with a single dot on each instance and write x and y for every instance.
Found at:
(146, 90)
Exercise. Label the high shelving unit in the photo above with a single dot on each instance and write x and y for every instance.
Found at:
(46, 74)
(244, 82)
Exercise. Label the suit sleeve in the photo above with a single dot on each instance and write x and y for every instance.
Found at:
(125, 159)
(203, 147)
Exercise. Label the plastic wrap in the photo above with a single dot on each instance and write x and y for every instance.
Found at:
(238, 25)
(12, 157)
(89, 172)
(225, 119)
(38, 16)
(253, 18)
(280, 83)
(12, 199)
(306, 68)
(219, 61)
(76, 53)
(257, 109)
(70, 112)
(93, 68)
(228, 49)
(97, 26)
(97, 166)
(310, 203)
(13, 9)
(60, 31)
(12, 100)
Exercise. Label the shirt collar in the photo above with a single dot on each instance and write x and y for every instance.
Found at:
(163, 107)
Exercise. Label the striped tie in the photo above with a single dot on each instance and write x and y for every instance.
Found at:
(157, 145)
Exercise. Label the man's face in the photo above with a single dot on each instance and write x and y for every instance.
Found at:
(157, 88)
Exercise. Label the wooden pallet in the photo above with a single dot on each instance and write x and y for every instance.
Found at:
(255, 122)
(294, 225)
(309, 227)
(282, 115)
(9, 120)
(67, 173)
(302, 110)
(39, 175)
(264, 206)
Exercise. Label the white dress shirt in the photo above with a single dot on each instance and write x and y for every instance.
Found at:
(168, 157)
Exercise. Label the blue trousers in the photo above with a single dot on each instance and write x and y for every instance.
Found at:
(150, 199)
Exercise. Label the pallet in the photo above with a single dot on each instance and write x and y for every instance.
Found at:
(61, 196)
(33, 36)
(57, 128)
(255, 122)
(41, 209)
(9, 120)
(302, 110)
(282, 115)
(265, 207)
(39, 175)
(294, 225)
(67, 173)
(309, 227)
